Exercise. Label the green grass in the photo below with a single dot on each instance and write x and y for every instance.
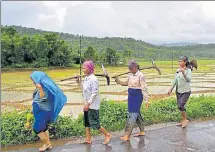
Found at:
(112, 117)
(18, 77)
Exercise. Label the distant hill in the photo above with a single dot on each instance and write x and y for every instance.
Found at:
(179, 44)
(140, 48)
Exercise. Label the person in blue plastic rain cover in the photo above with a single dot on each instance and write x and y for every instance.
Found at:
(48, 100)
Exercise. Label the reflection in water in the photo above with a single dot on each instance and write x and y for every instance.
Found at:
(184, 135)
(88, 147)
(127, 146)
(140, 145)
(108, 148)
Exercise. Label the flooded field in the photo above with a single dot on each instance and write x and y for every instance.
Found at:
(17, 94)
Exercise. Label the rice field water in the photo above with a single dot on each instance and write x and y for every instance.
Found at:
(17, 87)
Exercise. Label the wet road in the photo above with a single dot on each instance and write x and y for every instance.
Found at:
(198, 136)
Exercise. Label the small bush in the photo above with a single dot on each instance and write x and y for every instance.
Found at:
(112, 117)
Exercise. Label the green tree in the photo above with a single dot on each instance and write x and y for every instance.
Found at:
(127, 55)
(111, 56)
(90, 54)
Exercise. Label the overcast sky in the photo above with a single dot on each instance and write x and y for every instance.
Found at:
(154, 22)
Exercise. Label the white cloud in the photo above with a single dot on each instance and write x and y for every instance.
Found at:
(147, 20)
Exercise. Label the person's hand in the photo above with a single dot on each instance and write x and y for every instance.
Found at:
(27, 125)
(77, 79)
(117, 80)
(170, 91)
(147, 106)
(182, 70)
(86, 107)
(38, 86)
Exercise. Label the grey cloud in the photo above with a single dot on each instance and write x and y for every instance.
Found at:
(23, 13)
(87, 20)
(150, 21)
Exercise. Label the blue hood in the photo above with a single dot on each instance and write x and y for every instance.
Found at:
(55, 94)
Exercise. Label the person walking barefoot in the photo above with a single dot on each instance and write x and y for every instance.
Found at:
(183, 87)
(136, 89)
(90, 87)
(48, 100)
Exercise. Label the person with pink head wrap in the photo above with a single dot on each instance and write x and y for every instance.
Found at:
(90, 87)
(90, 66)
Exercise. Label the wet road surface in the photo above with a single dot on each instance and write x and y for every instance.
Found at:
(198, 136)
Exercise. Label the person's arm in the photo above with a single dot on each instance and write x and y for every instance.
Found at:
(41, 91)
(123, 83)
(80, 84)
(95, 91)
(144, 88)
(172, 86)
(187, 75)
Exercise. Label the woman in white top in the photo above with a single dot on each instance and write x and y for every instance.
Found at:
(90, 87)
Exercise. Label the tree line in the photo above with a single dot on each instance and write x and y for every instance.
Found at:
(27, 47)
(21, 51)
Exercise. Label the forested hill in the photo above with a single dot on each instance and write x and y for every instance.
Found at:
(198, 50)
(114, 42)
(110, 50)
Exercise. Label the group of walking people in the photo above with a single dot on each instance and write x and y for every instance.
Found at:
(48, 100)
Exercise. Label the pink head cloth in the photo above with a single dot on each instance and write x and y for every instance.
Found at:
(89, 65)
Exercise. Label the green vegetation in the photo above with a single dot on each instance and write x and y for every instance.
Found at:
(27, 47)
(112, 116)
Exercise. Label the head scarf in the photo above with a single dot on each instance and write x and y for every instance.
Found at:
(89, 65)
(55, 95)
(132, 63)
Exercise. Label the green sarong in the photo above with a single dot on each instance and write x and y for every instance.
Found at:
(91, 119)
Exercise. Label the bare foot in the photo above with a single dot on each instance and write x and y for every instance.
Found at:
(87, 142)
(185, 123)
(45, 147)
(125, 138)
(107, 139)
(179, 124)
(139, 134)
